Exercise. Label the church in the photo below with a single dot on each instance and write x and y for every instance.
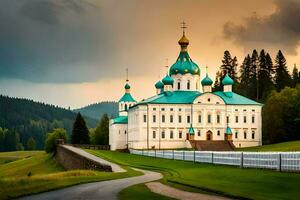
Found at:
(185, 112)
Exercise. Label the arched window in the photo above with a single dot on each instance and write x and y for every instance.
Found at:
(188, 84)
(126, 107)
(178, 85)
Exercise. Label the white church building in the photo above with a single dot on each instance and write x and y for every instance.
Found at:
(184, 111)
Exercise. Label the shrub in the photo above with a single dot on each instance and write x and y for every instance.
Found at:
(50, 143)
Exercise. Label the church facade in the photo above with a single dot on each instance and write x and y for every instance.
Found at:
(185, 109)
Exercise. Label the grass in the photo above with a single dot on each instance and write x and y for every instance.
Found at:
(223, 180)
(6, 157)
(284, 146)
(138, 192)
(45, 174)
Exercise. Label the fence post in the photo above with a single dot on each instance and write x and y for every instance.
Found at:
(194, 156)
(163, 153)
(279, 162)
(242, 160)
(173, 154)
(183, 155)
(155, 153)
(212, 157)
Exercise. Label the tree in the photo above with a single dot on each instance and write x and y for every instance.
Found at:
(228, 66)
(31, 144)
(217, 85)
(253, 79)
(295, 76)
(80, 132)
(52, 137)
(102, 131)
(282, 77)
(265, 83)
(245, 76)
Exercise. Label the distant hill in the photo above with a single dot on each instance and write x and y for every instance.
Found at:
(34, 119)
(96, 110)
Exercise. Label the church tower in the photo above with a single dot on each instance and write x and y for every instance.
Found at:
(126, 100)
(185, 73)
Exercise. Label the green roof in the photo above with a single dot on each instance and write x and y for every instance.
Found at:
(127, 98)
(120, 120)
(206, 81)
(231, 98)
(168, 80)
(228, 131)
(191, 130)
(184, 65)
(159, 85)
(127, 86)
(227, 80)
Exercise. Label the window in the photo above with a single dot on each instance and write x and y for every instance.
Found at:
(163, 134)
(154, 134)
(154, 109)
(154, 118)
(171, 109)
(245, 119)
(199, 118)
(179, 119)
(245, 134)
(199, 133)
(171, 118)
(208, 99)
(188, 119)
(253, 119)
(178, 86)
(227, 119)
(163, 118)
(188, 85)
(126, 108)
(209, 118)
(236, 110)
(162, 109)
(218, 132)
(236, 119)
(253, 135)
(218, 118)
(125, 132)
(145, 118)
(171, 134)
(180, 134)
(236, 134)
(179, 109)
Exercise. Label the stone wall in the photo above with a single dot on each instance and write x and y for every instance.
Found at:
(71, 161)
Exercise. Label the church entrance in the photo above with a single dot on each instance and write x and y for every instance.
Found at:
(209, 135)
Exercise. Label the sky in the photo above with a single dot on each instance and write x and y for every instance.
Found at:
(72, 53)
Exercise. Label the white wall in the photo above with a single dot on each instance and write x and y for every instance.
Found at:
(117, 136)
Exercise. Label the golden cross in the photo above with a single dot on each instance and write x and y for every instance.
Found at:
(206, 69)
(183, 26)
(127, 74)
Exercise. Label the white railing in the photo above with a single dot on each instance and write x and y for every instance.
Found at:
(281, 161)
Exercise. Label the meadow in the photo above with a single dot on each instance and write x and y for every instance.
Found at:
(283, 146)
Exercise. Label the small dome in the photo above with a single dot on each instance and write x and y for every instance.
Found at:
(227, 80)
(206, 81)
(183, 41)
(159, 85)
(168, 80)
(228, 131)
(127, 86)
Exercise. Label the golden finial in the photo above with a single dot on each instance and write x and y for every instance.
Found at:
(206, 68)
(183, 26)
(183, 42)
(127, 75)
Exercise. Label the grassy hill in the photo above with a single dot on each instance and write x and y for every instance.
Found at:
(96, 110)
(284, 146)
(27, 118)
(36, 171)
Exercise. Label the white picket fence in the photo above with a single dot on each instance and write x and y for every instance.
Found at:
(281, 161)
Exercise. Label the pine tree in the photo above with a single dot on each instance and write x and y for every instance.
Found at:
(102, 131)
(80, 133)
(217, 84)
(245, 76)
(265, 84)
(282, 77)
(226, 64)
(253, 92)
(295, 76)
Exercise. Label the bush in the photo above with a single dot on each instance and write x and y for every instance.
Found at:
(50, 143)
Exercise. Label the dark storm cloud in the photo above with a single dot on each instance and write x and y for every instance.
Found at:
(280, 30)
(52, 40)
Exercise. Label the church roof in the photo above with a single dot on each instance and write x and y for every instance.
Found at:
(127, 86)
(159, 85)
(191, 130)
(127, 98)
(168, 80)
(231, 98)
(206, 81)
(120, 120)
(184, 65)
(227, 80)
(228, 131)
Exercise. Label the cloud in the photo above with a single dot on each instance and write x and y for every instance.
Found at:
(280, 30)
(53, 40)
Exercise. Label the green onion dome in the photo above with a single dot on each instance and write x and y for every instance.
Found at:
(206, 81)
(168, 80)
(159, 85)
(227, 80)
(127, 86)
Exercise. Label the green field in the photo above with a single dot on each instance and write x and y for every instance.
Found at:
(23, 173)
(223, 180)
(284, 146)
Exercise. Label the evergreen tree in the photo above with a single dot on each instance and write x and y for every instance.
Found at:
(31, 144)
(295, 76)
(217, 84)
(253, 79)
(102, 131)
(245, 76)
(229, 66)
(282, 77)
(80, 132)
(265, 84)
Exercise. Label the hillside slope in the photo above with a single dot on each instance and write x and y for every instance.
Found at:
(33, 119)
(96, 110)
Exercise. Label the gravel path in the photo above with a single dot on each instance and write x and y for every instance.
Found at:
(114, 167)
(165, 190)
(105, 190)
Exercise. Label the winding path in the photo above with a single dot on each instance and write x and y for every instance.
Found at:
(105, 190)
